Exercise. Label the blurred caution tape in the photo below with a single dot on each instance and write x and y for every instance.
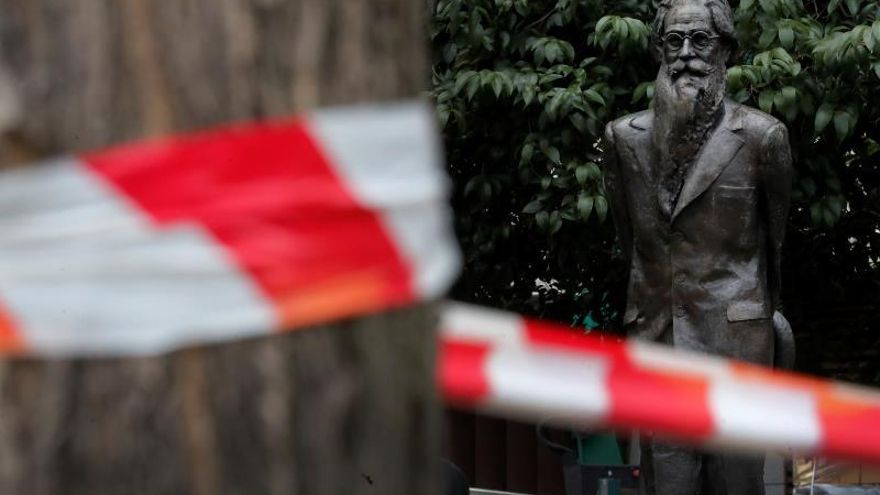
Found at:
(224, 234)
(265, 227)
(504, 364)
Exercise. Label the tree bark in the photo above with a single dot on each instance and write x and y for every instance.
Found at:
(347, 408)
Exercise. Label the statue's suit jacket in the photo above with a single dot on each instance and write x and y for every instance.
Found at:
(708, 278)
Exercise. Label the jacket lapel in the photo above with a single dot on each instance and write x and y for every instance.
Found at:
(716, 154)
(641, 146)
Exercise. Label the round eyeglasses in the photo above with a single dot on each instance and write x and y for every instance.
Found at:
(700, 40)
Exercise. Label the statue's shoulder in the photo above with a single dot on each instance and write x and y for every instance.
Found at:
(626, 127)
(754, 122)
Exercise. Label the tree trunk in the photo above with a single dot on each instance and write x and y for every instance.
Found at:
(343, 409)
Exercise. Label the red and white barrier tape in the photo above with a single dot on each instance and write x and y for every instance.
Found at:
(258, 228)
(224, 234)
(504, 364)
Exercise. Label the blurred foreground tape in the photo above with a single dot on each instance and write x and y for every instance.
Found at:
(258, 228)
(503, 364)
(224, 234)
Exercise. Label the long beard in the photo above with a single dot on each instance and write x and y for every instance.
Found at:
(684, 113)
(687, 106)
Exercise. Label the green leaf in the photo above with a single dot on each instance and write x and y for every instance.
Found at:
(578, 121)
(639, 92)
(786, 36)
(462, 80)
(473, 86)
(594, 96)
(545, 182)
(808, 185)
(621, 28)
(780, 102)
(823, 117)
(873, 147)
(734, 77)
(836, 204)
(828, 217)
(876, 67)
(603, 23)
(553, 154)
(841, 125)
(832, 6)
(551, 52)
(765, 100)
(555, 222)
(543, 220)
(746, 5)
(585, 206)
(786, 101)
(853, 6)
(526, 155)
(443, 115)
(449, 52)
(868, 39)
(528, 95)
(582, 173)
(601, 206)
(767, 37)
(816, 214)
(533, 207)
(471, 185)
(555, 103)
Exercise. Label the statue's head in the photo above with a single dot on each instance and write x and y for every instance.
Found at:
(694, 39)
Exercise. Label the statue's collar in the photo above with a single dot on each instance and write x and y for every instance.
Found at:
(643, 121)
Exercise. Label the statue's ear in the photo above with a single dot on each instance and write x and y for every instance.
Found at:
(657, 50)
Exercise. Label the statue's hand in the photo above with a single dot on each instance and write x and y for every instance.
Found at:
(784, 352)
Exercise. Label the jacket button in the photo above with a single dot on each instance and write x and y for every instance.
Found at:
(680, 311)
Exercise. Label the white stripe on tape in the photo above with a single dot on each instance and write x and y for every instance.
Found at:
(761, 416)
(117, 284)
(662, 358)
(473, 323)
(390, 158)
(534, 384)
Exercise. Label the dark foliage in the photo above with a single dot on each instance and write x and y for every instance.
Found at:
(524, 88)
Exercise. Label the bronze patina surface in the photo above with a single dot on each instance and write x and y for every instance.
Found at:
(699, 189)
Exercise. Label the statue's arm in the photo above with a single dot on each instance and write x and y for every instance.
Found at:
(615, 192)
(777, 194)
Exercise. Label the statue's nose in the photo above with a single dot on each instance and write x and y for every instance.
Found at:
(687, 51)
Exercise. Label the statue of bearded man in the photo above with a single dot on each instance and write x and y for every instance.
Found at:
(699, 189)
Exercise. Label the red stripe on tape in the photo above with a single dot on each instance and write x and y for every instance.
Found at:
(850, 427)
(676, 405)
(272, 198)
(550, 335)
(11, 342)
(462, 371)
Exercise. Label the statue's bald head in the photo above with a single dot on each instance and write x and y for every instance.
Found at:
(719, 16)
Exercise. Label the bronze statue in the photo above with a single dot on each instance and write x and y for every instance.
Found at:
(699, 189)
